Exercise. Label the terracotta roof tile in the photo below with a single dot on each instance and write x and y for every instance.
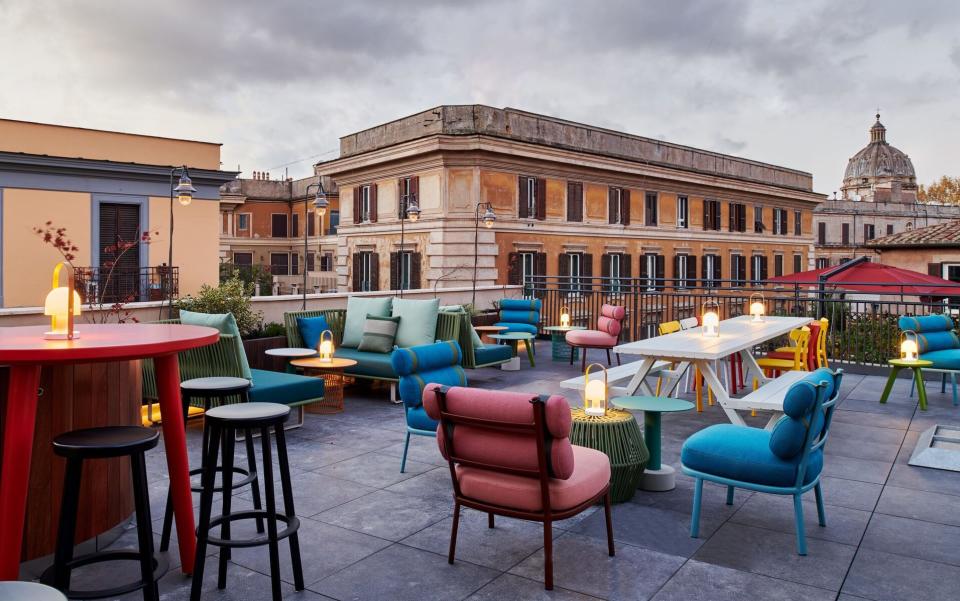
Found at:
(941, 234)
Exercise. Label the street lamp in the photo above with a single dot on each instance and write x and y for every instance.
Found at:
(320, 205)
(488, 218)
(408, 209)
(184, 191)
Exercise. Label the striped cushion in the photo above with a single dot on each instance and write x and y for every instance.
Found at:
(378, 334)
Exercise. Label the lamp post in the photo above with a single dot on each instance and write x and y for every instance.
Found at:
(320, 204)
(408, 208)
(184, 192)
(488, 218)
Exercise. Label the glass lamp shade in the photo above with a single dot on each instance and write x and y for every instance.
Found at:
(909, 349)
(185, 189)
(564, 317)
(320, 204)
(710, 319)
(413, 212)
(489, 218)
(57, 306)
(595, 392)
(325, 349)
(757, 308)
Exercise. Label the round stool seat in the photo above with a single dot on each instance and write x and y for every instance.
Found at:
(249, 413)
(107, 441)
(218, 384)
(18, 591)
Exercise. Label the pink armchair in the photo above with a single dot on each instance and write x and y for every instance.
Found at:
(510, 454)
(609, 326)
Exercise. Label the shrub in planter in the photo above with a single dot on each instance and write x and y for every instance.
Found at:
(231, 296)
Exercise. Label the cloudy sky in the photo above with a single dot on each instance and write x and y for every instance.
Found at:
(787, 82)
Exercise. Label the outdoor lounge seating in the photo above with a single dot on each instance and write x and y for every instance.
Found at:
(370, 365)
(510, 454)
(936, 342)
(609, 326)
(437, 363)
(520, 315)
(787, 460)
(476, 354)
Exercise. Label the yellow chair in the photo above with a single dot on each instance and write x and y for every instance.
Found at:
(667, 327)
(150, 414)
(801, 340)
(822, 343)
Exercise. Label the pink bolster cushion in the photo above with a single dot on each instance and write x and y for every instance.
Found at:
(613, 312)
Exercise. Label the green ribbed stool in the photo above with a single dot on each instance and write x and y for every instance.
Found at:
(616, 434)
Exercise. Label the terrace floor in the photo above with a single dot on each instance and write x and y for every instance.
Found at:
(370, 532)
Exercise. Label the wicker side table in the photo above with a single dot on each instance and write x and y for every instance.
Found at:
(616, 434)
(334, 381)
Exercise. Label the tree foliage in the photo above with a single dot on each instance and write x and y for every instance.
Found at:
(945, 190)
(231, 296)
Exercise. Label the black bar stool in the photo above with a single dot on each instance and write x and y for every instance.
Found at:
(210, 390)
(223, 423)
(102, 443)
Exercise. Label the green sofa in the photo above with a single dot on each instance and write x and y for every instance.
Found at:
(370, 366)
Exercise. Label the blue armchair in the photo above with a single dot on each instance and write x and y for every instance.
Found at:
(520, 315)
(785, 461)
(938, 343)
(417, 366)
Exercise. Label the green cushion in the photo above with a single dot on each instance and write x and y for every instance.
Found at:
(288, 389)
(357, 310)
(378, 334)
(224, 322)
(371, 365)
(418, 323)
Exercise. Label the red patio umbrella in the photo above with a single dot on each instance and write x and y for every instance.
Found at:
(861, 275)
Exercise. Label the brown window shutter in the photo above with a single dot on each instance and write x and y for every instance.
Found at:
(703, 269)
(611, 205)
(540, 264)
(763, 269)
(719, 268)
(707, 219)
(935, 269)
(356, 203)
(523, 198)
(400, 198)
(692, 270)
(563, 270)
(661, 276)
(586, 270)
(415, 188)
(541, 199)
(574, 202)
(625, 206)
(731, 217)
(625, 271)
(356, 272)
(513, 269)
(373, 203)
(605, 270)
(415, 260)
(676, 269)
(374, 271)
(394, 271)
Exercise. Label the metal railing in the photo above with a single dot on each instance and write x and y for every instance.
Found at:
(101, 285)
(863, 326)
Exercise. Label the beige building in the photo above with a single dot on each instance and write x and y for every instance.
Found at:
(934, 250)
(570, 200)
(103, 187)
(878, 198)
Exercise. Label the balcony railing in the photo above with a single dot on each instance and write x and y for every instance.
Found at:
(863, 326)
(100, 285)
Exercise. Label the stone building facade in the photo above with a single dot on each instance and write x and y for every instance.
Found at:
(934, 250)
(570, 199)
(878, 198)
(261, 224)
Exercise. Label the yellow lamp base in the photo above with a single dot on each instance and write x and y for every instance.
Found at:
(60, 335)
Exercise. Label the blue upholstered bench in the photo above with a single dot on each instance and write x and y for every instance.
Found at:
(938, 343)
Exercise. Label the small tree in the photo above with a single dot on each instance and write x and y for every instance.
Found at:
(231, 296)
(945, 190)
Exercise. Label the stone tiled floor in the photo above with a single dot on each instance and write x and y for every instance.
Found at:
(370, 532)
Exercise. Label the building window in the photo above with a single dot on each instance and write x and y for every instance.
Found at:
(889, 228)
(406, 268)
(758, 269)
(780, 222)
(294, 264)
(243, 259)
(778, 265)
(409, 194)
(326, 262)
(575, 202)
(651, 271)
(738, 217)
(738, 270)
(823, 262)
(334, 223)
(821, 233)
(295, 225)
(711, 215)
(533, 198)
(681, 272)
(278, 225)
(365, 205)
(279, 264)
(650, 209)
(797, 263)
(243, 222)
(618, 206)
(949, 271)
(311, 261)
(571, 266)
(404, 274)
(797, 224)
(909, 225)
(366, 273)
(758, 219)
(845, 234)
(711, 271)
(683, 212)
(614, 269)
(869, 232)
(614, 274)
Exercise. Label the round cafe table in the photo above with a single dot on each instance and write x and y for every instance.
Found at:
(25, 351)
(291, 353)
(334, 381)
(657, 477)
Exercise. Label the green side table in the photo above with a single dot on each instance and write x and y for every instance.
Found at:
(561, 351)
(512, 338)
(616, 434)
(658, 477)
(917, 366)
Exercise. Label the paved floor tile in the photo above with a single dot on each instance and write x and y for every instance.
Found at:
(851, 468)
(776, 513)
(920, 505)
(658, 529)
(388, 515)
(373, 469)
(709, 582)
(914, 538)
(509, 586)
(850, 493)
(886, 577)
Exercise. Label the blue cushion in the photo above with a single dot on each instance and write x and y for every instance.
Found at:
(411, 386)
(426, 357)
(310, 330)
(531, 317)
(517, 327)
(288, 389)
(790, 432)
(945, 359)
(743, 454)
(521, 304)
(937, 341)
(418, 419)
(371, 365)
(926, 323)
(492, 353)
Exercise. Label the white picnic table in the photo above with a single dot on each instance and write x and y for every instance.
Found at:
(690, 347)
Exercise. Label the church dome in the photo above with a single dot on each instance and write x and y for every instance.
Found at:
(879, 162)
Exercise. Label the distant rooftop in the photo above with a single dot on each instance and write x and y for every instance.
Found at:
(522, 126)
(941, 234)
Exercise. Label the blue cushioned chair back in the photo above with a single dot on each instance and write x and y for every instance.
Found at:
(926, 323)
(828, 391)
(937, 341)
(520, 310)
(418, 366)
